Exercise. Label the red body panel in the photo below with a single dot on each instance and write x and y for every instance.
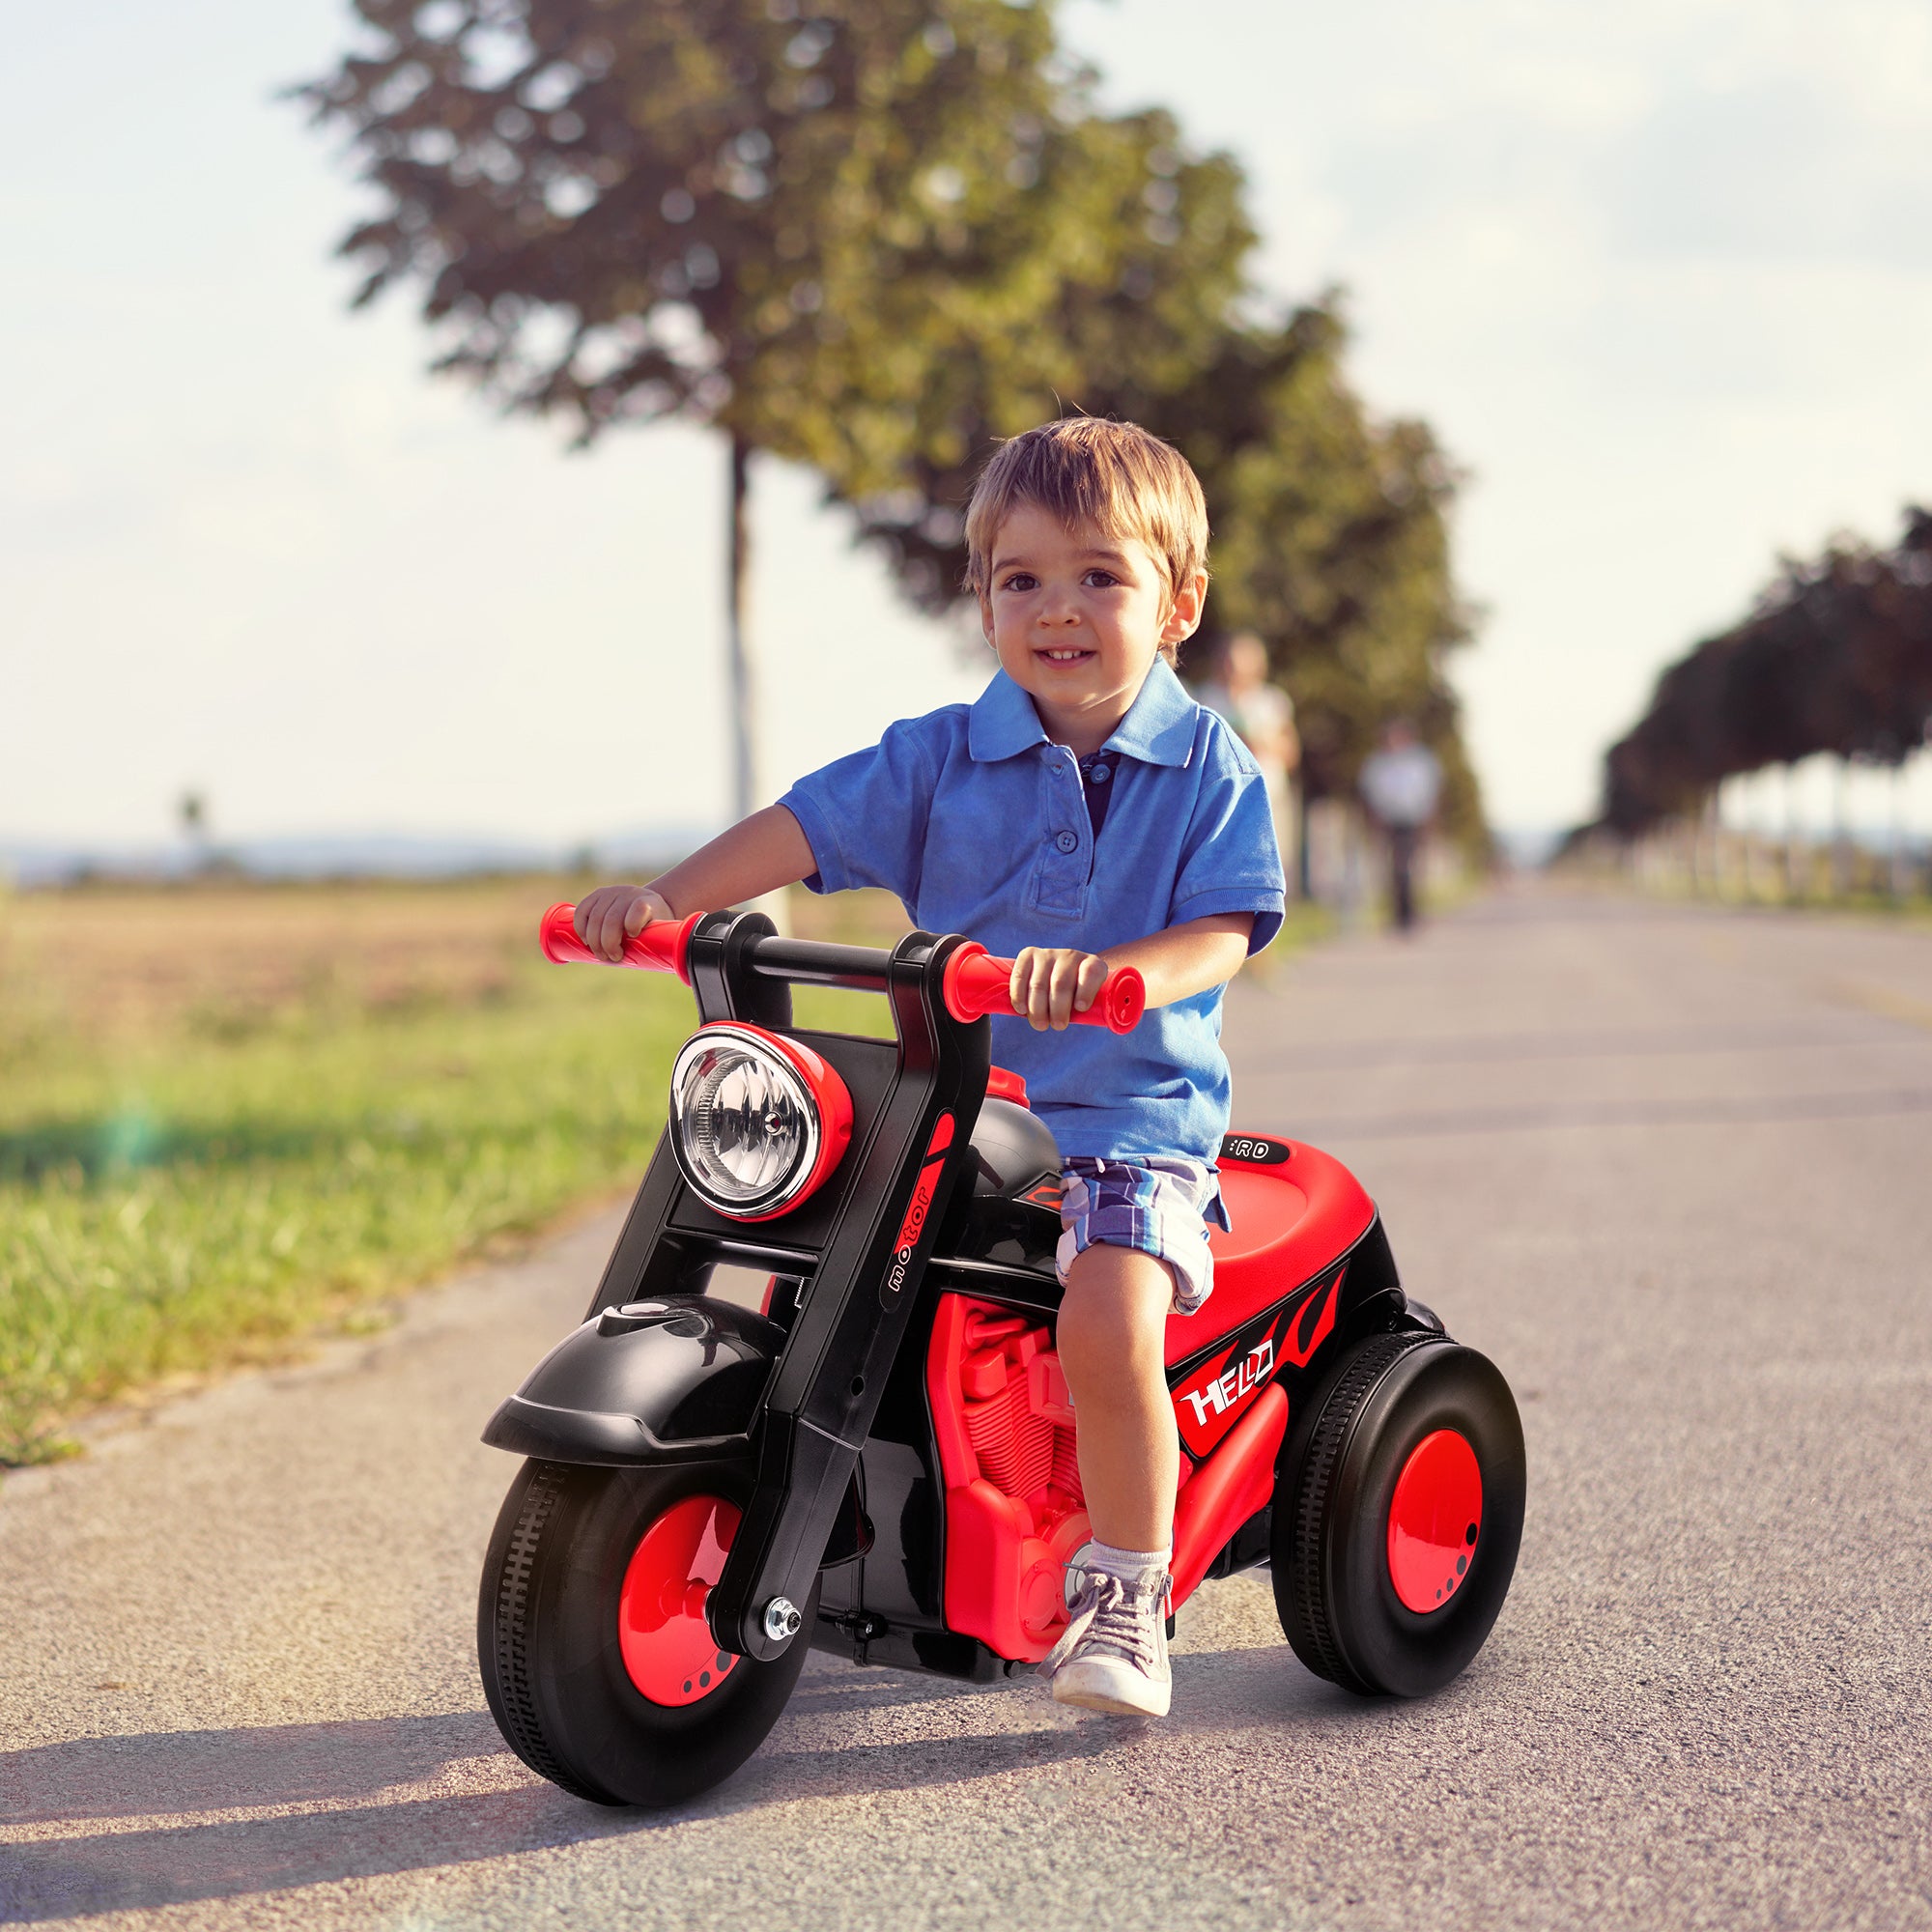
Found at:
(1290, 1221)
(977, 986)
(661, 948)
(1227, 1489)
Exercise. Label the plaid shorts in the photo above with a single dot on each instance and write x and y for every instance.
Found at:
(1159, 1203)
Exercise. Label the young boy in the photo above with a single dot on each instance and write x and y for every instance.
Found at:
(1084, 813)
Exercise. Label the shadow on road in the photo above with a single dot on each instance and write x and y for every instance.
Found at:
(332, 1770)
(238, 1769)
(65, 1878)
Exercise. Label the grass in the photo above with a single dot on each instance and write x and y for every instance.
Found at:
(231, 1118)
(209, 1149)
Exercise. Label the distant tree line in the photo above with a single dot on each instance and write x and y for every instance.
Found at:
(872, 236)
(1836, 658)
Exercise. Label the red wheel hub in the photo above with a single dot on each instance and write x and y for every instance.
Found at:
(669, 1649)
(1434, 1518)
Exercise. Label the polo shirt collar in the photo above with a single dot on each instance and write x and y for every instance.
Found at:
(1002, 723)
(1159, 729)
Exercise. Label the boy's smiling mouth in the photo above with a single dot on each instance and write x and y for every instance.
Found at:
(1067, 654)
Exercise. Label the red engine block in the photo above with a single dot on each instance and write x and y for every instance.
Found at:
(1013, 1509)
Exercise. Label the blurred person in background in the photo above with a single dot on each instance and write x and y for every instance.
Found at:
(1239, 688)
(1401, 785)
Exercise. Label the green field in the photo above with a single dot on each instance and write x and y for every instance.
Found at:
(233, 1118)
(197, 1185)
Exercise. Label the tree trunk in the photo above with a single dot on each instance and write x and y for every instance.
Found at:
(737, 642)
(746, 776)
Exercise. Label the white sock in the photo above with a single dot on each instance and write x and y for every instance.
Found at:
(1129, 1565)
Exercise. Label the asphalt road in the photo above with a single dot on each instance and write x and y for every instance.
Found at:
(1671, 1169)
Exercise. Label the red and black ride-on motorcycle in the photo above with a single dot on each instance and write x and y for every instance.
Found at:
(815, 1402)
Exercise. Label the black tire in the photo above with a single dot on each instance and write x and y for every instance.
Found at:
(1334, 1589)
(548, 1644)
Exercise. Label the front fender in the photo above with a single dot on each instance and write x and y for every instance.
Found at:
(670, 1380)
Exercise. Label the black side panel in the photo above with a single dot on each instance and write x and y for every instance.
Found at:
(680, 1375)
(1372, 1297)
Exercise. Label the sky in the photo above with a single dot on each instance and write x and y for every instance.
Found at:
(1659, 275)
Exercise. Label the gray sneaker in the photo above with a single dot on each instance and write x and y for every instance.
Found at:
(1113, 1656)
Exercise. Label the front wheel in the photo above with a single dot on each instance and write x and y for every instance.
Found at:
(597, 1661)
(1404, 1493)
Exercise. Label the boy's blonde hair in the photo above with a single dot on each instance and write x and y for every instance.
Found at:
(1089, 469)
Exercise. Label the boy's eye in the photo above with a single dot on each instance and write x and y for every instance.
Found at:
(1100, 579)
(1020, 580)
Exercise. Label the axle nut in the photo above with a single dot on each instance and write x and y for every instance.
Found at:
(781, 1619)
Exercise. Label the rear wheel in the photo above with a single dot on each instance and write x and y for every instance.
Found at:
(1404, 1493)
(598, 1664)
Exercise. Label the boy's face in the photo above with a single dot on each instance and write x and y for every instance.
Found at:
(1077, 618)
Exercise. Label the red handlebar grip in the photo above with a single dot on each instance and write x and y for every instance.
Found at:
(978, 984)
(661, 946)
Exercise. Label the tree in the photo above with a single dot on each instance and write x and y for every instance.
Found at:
(1834, 657)
(874, 236)
(622, 211)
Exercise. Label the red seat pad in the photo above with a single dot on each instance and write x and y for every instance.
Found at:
(1291, 1221)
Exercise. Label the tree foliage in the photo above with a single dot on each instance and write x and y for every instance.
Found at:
(874, 237)
(625, 210)
(1837, 657)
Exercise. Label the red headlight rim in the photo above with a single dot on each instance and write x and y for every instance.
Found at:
(828, 1095)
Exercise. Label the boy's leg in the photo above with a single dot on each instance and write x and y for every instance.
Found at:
(1113, 1319)
(1112, 1332)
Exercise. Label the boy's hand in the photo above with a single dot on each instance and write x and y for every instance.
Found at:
(614, 914)
(1051, 983)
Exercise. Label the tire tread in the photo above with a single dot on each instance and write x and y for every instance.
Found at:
(511, 1627)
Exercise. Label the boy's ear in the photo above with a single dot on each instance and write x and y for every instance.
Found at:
(986, 619)
(1184, 612)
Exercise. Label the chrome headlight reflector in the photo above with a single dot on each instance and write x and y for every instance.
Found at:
(758, 1121)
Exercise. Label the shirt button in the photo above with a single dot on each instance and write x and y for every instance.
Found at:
(1068, 841)
(1056, 770)
(1100, 774)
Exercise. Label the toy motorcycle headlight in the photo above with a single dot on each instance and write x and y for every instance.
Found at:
(757, 1119)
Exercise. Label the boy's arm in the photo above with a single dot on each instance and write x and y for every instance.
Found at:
(1052, 983)
(757, 854)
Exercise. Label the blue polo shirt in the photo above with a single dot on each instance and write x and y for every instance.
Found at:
(978, 823)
